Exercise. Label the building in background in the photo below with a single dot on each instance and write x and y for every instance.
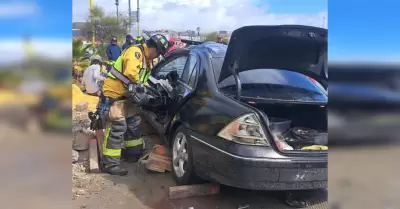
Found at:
(223, 33)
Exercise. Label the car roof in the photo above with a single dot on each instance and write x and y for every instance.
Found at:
(216, 50)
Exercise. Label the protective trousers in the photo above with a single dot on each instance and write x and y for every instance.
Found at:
(122, 135)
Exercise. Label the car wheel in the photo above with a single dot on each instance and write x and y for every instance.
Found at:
(182, 159)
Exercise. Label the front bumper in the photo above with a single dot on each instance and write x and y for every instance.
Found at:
(255, 173)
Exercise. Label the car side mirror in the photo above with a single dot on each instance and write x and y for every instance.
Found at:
(173, 76)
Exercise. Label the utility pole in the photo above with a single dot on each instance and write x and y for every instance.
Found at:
(323, 21)
(138, 19)
(92, 21)
(117, 4)
(130, 17)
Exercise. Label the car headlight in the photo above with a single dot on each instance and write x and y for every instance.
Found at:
(245, 130)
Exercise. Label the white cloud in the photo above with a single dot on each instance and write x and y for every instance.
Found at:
(18, 9)
(13, 50)
(206, 14)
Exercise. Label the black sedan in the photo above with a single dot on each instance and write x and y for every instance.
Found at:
(252, 114)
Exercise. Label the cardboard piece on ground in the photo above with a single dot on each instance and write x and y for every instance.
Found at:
(159, 159)
(193, 190)
(93, 157)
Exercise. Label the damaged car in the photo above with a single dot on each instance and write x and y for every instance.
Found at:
(252, 114)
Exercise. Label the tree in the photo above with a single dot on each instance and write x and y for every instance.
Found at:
(211, 36)
(79, 50)
(106, 25)
(214, 36)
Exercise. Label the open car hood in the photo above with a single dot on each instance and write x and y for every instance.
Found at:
(297, 48)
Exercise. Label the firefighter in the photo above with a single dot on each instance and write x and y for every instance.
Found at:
(122, 136)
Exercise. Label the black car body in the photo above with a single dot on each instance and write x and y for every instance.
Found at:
(226, 120)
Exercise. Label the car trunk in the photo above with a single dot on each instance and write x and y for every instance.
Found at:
(301, 49)
(296, 127)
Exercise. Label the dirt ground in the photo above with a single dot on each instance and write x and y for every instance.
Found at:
(142, 189)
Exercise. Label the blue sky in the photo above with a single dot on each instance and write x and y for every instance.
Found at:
(294, 6)
(52, 21)
(364, 28)
(357, 28)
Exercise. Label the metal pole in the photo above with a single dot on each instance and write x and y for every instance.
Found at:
(117, 13)
(138, 19)
(130, 17)
(92, 21)
(117, 4)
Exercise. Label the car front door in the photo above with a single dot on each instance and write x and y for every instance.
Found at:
(186, 67)
(176, 63)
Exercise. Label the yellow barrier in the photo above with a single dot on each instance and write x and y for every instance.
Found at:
(79, 96)
(8, 97)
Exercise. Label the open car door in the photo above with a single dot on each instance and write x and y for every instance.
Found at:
(174, 63)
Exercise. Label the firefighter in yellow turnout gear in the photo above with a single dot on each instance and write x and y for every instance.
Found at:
(122, 136)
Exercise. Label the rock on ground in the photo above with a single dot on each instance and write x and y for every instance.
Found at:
(81, 141)
(75, 156)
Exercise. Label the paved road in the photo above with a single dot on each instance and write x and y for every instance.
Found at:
(365, 177)
(36, 170)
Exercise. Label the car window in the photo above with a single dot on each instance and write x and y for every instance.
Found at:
(193, 76)
(190, 65)
(273, 84)
(176, 64)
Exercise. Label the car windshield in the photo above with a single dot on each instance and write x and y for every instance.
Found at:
(275, 84)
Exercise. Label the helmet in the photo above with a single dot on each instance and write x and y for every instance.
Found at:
(96, 57)
(113, 39)
(140, 40)
(161, 42)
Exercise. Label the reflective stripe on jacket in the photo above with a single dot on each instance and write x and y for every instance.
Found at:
(129, 64)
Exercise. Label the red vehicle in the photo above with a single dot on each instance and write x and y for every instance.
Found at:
(174, 46)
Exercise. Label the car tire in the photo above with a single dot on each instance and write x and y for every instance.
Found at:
(189, 176)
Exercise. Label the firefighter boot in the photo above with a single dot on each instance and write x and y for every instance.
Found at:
(116, 170)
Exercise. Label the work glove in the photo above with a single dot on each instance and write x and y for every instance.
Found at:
(137, 94)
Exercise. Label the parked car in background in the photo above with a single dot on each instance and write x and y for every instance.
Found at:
(364, 102)
(252, 114)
